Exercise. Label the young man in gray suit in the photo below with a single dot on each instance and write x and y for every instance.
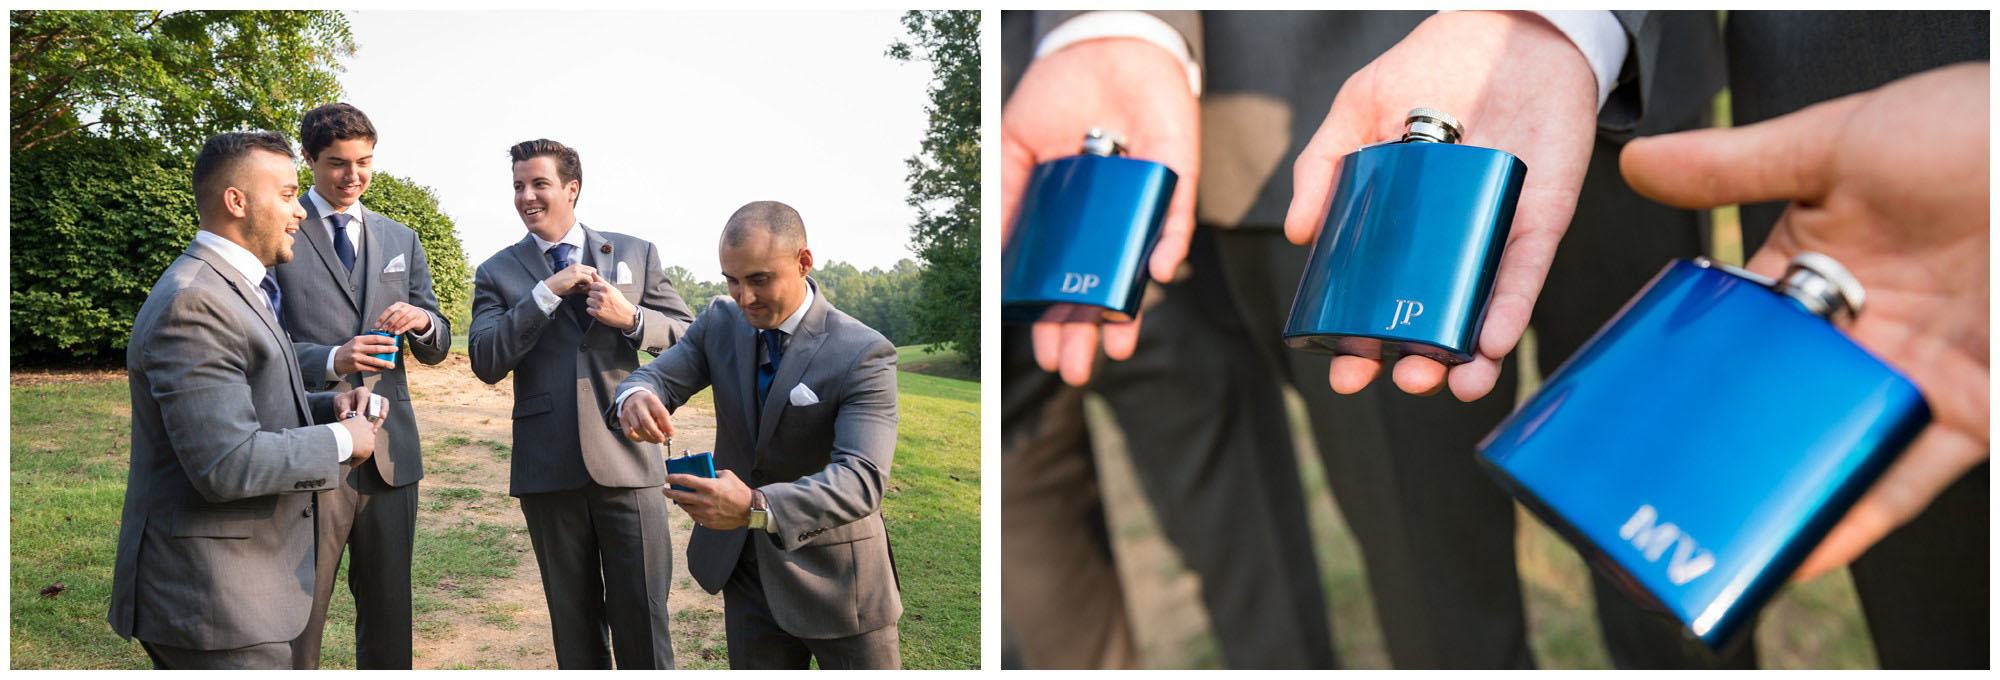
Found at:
(362, 271)
(215, 544)
(805, 400)
(555, 310)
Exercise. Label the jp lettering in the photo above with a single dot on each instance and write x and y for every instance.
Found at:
(1079, 283)
(1405, 310)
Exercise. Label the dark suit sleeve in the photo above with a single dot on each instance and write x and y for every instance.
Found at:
(312, 364)
(676, 375)
(423, 297)
(666, 315)
(198, 368)
(864, 448)
(1673, 68)
(502, 331)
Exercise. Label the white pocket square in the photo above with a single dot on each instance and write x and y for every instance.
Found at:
(803, 396)
(395, 265)
(624, 274)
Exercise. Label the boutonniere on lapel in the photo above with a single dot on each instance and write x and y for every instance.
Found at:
(606, 249)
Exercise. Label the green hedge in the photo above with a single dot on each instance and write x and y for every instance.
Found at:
(93, 223)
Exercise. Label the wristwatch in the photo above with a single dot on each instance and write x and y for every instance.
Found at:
(760, 514)
(635, 318)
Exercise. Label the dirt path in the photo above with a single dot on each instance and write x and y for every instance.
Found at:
(467, 430)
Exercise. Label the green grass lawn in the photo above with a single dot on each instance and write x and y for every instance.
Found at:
(70, 451)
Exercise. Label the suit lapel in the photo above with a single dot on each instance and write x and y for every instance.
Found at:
(373, 260)
(314, 227)
(531, 258)
(254, 296)
(594, 247)
(798, 356)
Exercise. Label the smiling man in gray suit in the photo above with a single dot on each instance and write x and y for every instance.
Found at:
(359, 271)
(554, 309)
(805, 400)
(215, 544)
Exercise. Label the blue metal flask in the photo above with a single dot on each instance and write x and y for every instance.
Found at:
(1085, 228)
(1407, 255)
(1705, 440)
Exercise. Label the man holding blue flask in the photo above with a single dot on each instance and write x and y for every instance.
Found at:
(1551, 89)
(359, 287)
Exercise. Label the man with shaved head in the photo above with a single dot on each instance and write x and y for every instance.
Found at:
(790, 530)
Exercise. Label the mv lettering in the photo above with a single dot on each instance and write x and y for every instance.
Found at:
(1405, 310)
(1078, 283)
(1653, 539)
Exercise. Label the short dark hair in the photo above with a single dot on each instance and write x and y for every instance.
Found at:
(569, 165)
(780, 220)
(331, 123)
(216, 164)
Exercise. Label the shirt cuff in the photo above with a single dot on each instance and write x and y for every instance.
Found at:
(770, 518)
(331, 375)
(619, 403)
(1124, 24)
(1597, 34)
(546, 299)
(346, 441)
(430, 332)
(637, 329)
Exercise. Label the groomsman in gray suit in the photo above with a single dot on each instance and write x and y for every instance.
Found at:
(555, 309)
(362, 271)
(215, 544)
(805, 400)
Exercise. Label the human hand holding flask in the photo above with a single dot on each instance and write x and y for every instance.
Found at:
(1519, 86)
(1892, 182)
(1122, 84)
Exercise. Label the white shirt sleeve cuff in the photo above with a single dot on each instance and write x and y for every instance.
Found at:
(332, 376)
(637, 329)
(1602, 41)
(546, 299)
(431, 331)
(1124, 24)
(346, 441)
(620, 401)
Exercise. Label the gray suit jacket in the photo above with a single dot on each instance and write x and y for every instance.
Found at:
(215, 544)
(828, 572)
(563, 370)
(1269, 79)
(328, 305)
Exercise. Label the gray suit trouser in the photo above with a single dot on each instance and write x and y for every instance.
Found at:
(756, 641)
(605, 561)
(266, 656)
(1436, 532)
(1206, 432)
(377, 525)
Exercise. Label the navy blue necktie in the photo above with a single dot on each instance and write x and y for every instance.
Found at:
(559, 257)
(774, 349)
(342, 247)
(272, 297)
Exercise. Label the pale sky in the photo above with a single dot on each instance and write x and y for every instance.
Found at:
(680, 117)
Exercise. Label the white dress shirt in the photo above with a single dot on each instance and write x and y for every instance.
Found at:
(547, 299)
(252, 270)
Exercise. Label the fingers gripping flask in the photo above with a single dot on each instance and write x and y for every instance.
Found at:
(1085, 228)
(1407, 255)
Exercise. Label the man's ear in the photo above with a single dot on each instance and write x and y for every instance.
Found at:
(235, 202)
(805, 261)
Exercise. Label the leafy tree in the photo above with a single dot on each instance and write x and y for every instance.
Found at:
(694, 291)
(944, 177)
(93, 225)
(174, 76)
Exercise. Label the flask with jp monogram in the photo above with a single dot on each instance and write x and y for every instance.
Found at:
(1410, 246)
(1705, 440)
(1085, 227)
